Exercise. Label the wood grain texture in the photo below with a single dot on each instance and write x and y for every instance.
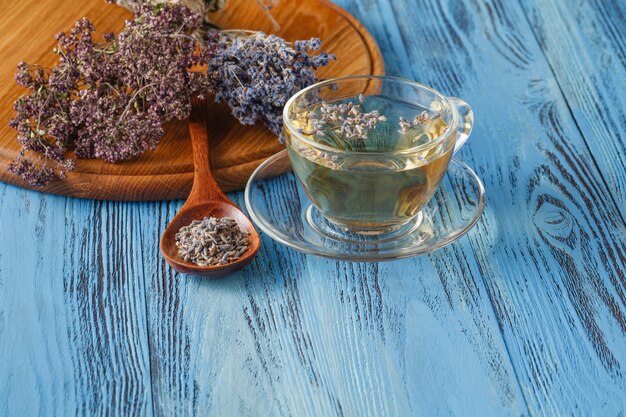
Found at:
(523, 317)
(167, 172)
(73, 338)
(585, 45)
(293, 335)
(551, 244)
(298, 336)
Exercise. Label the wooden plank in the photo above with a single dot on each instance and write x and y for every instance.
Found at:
(293, 335)
(73, 336)
(551, 244)
(297, 335)
(585, 44)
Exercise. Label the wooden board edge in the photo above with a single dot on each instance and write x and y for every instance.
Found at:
(128, 187)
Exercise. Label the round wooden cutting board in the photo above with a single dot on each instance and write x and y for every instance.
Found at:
(27, 34)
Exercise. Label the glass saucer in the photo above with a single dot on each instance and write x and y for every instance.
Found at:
(280, 208)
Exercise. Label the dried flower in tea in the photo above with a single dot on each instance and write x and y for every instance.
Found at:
(348, 126)
(347, 120)
(390, 180)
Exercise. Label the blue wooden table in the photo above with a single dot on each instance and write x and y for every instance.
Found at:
(524, 316)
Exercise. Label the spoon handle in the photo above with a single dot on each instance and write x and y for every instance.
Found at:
(205, 188)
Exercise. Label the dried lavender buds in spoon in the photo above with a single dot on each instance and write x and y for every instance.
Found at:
(211, 241)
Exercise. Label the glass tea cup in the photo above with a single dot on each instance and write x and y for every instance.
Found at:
(371, 151)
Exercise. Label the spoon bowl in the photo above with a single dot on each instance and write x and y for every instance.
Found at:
(198, 212)
(205, 200)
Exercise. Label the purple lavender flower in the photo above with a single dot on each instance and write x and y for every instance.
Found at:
(255, 74)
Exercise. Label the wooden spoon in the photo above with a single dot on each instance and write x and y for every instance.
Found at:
(205, 200)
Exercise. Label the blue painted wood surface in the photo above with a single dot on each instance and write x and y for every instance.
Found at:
(525, 316)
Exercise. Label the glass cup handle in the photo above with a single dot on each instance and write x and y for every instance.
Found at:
(466, 122)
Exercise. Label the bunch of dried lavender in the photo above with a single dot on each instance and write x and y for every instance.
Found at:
(211, 241)
(255, 74)
(109, 99)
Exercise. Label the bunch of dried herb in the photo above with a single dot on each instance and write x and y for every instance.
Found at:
(108, 99)
(255, 74)
(211, 241)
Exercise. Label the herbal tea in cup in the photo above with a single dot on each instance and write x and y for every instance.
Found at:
(371, 151)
